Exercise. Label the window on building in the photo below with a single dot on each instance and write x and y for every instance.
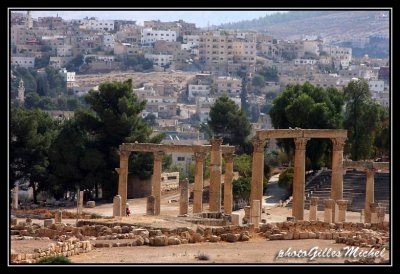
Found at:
(180, 159)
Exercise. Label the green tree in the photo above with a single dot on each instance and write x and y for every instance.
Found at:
(306, 106)
(31, 134)
(205, 128)
(75, 63)
(241, 188)
(382, 138)
(74, 161)
(229, 122)
(286, 179)
(258, 81)
(32, 100)
(242, 164)
(150, 119)
(114, 119)
(41, 62)
(361, 119)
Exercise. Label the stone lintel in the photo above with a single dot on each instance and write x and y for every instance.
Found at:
(362, 165)
(169, 148)
(298, 133)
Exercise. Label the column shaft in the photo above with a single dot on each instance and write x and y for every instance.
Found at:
(257, 171)
(299, 178)
(198, 183)
(228, 196)
(123, 179)
(337, 173)
(215, 175)
(369, 194)
(156, 181)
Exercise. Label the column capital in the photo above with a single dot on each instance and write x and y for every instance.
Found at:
(158, 155)
(301, 143)
(328, 203)
(124, 153)
(342, 204)
(338, 143)
(258, 144)
(314, 201)
(228, 157)
(370, 171)
(199, 156)
(216, 143)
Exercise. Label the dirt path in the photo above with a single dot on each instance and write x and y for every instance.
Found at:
(252, 252)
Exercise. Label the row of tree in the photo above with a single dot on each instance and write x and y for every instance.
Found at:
(57, 156)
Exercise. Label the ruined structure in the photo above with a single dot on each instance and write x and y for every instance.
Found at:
(200, 151)
(300, 136)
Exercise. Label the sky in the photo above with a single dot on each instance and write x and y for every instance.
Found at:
(200, 18)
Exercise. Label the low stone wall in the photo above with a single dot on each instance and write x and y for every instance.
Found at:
(74, 240)
(68, 248)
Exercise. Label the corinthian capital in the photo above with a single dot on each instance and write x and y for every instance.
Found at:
(158, 155)
(124, 153)
(301, 143)
(338, 143)
(199, 156)
(258, 144)
(216, 143)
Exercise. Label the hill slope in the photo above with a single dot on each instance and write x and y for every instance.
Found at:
(338, 25)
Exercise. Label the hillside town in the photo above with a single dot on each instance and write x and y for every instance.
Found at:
(89, 97)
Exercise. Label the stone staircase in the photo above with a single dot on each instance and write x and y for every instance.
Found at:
(353, 190)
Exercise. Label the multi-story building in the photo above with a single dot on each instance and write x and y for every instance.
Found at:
(97, 24)
(160, 60)
(224, 49)
(26, 62)
(149, 36)
(198, 90)
(228, 85)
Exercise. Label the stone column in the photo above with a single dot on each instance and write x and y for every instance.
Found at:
(313, 208)
(374, 212)
(123, 178)
(198, 183)
(184, 198)
(381, 214)
(58, 217)
(117, 206)
(80, 202)
(228, 195)
(329, 203)
(257, 171)
(299, 178)
(215, 175)
(337, 173)
(369, 193)
(15, 196)
(342, 204)
(255, 213)
(156, 181)
(150, 206)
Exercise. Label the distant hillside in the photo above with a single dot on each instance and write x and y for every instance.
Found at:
(335, 25)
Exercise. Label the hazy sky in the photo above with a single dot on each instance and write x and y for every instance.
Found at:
(201, 18)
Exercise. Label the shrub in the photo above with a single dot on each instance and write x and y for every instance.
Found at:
(286, 178)
(54, 260)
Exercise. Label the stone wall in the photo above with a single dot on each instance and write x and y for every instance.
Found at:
(68, 248)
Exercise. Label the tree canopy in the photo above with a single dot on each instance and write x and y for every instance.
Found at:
(306, 106)
(228, 121)
(361, 120)
(31, 134)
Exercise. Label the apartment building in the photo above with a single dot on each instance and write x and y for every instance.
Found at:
(150, 36)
